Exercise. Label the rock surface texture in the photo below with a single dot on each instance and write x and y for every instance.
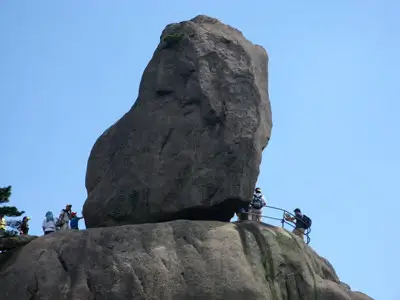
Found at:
(9, 243)
(190, 147)
(178, 260)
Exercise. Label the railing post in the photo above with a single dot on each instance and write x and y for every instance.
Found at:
(283, 220)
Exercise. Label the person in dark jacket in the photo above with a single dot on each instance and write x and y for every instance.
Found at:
(299, 222)
(24, 227)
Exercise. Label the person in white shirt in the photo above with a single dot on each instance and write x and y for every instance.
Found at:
(256, 205)
(64, 218)
(49, 224)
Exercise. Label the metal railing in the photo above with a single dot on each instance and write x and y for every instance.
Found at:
(283, 220)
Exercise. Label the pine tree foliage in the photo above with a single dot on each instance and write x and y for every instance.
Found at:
(8, 211)
(5, 194)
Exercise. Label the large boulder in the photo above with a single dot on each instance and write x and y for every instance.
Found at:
(179, 260)
(190, 147)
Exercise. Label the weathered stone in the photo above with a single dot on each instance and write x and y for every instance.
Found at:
(8, 243)
(179, 260)
(190, 147)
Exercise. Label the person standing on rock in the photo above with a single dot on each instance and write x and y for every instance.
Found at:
(256, 205)
(74, 221)
(24, 227)
(49, 224)
(302, 222)
(64, 218)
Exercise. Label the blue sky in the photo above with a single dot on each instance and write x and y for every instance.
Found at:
(69, 69)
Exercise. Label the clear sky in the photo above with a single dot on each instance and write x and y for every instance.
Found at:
(70, 69)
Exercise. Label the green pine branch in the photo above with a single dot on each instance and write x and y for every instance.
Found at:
(8, 211)
(5, 194)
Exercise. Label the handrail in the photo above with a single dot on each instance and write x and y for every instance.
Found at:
(283, 220)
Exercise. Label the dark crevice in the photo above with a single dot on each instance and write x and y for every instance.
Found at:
(188, 112)
(298, 278)
(186, 76)
(292, 287)
(89, 284)
(184, 102)
(164, 92)
(140, 280)
(34, 291)
(212, 119)
(165, 141)
(33, 294)
(289, 290)
(223, 212)
(271, 273)
(244, 241)
(225, 41)
(62, 262)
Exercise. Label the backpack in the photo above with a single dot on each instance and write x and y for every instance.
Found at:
(307, 222)
(257, 202)
(61, 222)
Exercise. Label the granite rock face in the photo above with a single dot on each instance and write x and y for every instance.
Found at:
(179, 260)
(190, 147)
(15, 242)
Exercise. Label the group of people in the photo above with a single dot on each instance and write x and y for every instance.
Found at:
(22, 226)
(67, 220)
(254, 212)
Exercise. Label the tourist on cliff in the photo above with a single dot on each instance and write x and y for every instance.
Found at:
(302, 222)
(64, 218)
(74, 221)
(24, 227)
(256, 205)
(49, 224)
